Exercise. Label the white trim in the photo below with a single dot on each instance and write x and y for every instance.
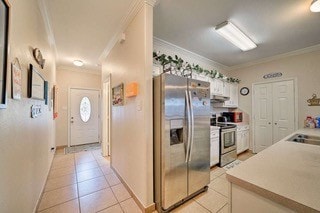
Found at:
(174, 48)
(277, 57)
(69, 111)
(296, 111)
(45, 16)
(73, 69)
(103, 117)
(134, 9)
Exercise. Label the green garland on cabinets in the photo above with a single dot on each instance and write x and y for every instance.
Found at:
(180, 64)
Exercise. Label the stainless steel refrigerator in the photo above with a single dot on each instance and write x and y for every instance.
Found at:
(181, 139)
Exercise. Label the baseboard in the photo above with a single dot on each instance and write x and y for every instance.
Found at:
(144, 209)
(44, 185)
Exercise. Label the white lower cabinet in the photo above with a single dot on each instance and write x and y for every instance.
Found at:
(214, 147)
(243, 138)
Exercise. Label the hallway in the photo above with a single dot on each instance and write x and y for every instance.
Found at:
(84, 182)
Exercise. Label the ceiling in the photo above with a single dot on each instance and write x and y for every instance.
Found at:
(277, 27)
(81, 29)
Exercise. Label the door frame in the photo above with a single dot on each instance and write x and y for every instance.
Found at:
(69, 111)
(296, 115)
(104, 114)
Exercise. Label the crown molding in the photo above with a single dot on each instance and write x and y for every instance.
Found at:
(133, 10)
(73, 69)
(175, 48)
(48, 27)
(277, 57)
(152, 3)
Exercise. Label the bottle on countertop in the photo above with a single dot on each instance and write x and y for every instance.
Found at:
(317, 121)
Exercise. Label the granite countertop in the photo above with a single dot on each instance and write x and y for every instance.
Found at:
(287, 173)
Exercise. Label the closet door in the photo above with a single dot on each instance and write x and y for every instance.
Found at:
(283, 109)
(262, 109)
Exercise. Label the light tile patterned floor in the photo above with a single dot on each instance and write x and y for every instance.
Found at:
(84, 182)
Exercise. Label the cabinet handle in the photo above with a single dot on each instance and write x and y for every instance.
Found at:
(269, 123)
(275, 123)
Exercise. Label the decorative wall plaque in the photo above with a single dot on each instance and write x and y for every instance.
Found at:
(38, 57)
(314, 101)
(272, 75)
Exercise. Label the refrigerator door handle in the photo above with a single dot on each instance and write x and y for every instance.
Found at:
(192, 125)
(189, 126)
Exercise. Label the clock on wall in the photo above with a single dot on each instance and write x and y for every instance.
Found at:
(244, 91)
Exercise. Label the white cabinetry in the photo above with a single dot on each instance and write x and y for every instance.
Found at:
(243, 138)
(216, 87)
(231, 90)
(214, 146)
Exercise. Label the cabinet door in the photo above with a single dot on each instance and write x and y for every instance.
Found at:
(214, 151)
(246, 140)
(216, 87)
(226, 89)
(239, 141)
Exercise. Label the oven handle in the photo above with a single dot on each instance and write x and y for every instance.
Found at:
(189, 126)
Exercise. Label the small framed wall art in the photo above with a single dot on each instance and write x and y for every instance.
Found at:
(36, 84)
(4, 26)
(117, 95)
(16, 83)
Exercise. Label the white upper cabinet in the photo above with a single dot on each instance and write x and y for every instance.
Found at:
(231, 90)
(216, 87)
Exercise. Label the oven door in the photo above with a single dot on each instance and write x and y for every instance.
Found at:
(228, 140)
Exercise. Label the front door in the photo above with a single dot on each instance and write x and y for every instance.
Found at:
(84, 116)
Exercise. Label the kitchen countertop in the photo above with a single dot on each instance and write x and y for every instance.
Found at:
(287, 173)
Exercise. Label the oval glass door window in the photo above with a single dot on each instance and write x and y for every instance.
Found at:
(85, 109)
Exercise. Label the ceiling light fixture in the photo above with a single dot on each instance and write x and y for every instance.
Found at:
(235, 36)
(315, 6)
(78, 63)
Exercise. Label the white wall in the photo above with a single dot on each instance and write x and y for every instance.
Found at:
(25, 143)
(305, 68)
(67, 78)
(131, 133)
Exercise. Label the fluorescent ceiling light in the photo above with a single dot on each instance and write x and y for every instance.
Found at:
(315, 6)
(235, 36)
(78, 63)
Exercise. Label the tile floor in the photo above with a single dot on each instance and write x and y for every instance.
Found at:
(84, 182)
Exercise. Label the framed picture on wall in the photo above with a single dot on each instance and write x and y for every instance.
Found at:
(36, 84)
(118, 95)
(16, 82)
(4, 29)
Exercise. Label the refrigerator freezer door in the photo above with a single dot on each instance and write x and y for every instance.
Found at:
(199, 159)
(174, 143)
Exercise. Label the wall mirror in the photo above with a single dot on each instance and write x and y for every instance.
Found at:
(4, 27)
(36, 84)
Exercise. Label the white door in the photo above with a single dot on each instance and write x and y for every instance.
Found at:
(283, 110)
(274, 113)
(106, 119)
(262, 108)
(84, 116)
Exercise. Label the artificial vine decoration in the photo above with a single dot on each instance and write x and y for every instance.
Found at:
(181, 65)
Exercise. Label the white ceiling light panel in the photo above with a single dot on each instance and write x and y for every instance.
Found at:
(235, 36)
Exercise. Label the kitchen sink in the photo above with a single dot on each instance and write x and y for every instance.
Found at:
(307, 139)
